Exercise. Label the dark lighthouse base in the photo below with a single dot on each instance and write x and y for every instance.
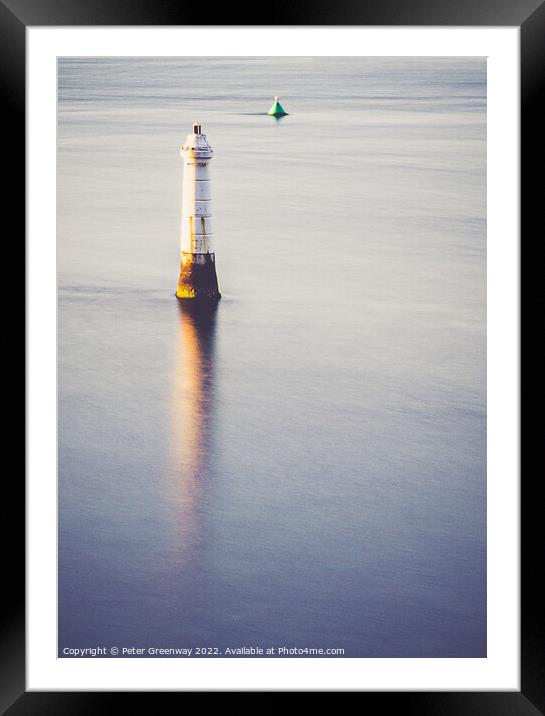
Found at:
(198, 278)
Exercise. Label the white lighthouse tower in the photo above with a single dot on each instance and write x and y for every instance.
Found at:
(197, 278)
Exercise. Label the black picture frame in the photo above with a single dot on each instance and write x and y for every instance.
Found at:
(529, 15)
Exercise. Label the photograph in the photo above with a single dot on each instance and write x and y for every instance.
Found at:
(271, 357)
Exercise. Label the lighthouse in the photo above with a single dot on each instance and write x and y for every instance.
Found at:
(197, 278)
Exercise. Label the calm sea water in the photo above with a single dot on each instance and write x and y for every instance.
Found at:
(306, 467)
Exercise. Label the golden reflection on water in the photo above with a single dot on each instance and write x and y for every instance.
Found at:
(192, 415)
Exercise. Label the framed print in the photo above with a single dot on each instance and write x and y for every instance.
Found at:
(273, 355)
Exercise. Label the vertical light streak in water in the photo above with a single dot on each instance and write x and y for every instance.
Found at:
(192, 416)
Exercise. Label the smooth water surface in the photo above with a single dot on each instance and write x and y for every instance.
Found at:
(306, 466)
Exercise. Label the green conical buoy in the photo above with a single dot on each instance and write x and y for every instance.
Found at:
(277, 110)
